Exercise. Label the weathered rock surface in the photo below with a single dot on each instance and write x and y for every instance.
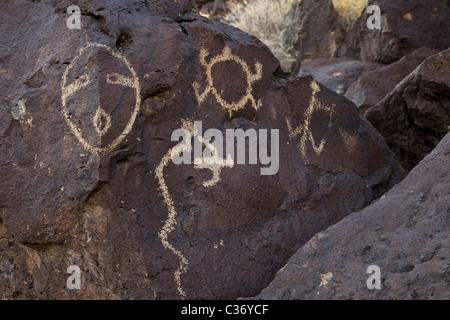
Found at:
(337, 74)
(373, 86)
(319, 32)
(416, 115)
(406, 25)
(405, 233)
(86, 120)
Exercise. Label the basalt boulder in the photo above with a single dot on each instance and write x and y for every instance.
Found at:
(337, 74)
(318, 33)
(397, 248)
(405, 26)
(87, 177)
(415, 116)
(373, 86)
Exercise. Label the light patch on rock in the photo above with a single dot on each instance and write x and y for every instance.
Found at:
(19, 109)
(350, 140)
(325, 278)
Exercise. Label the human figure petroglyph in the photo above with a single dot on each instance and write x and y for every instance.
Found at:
(304, 130)
(251, 78)
(101, 119)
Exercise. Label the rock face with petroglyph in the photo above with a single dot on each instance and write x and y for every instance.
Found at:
(405, 234)
(87, 177)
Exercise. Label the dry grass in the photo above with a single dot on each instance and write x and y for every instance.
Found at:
(269, 21)
(349, 11)
(210, 14)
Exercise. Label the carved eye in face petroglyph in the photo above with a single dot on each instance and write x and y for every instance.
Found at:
(250, 78)
(100, 96)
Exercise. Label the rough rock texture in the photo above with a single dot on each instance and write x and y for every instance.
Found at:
(314, 39)
(406, 25)
(373, 86)
(86, 120)
(405, 233)
(336, 74)
(416, 115)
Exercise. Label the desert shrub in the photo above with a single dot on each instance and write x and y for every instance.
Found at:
(349, 11)
(277, 26)
(270, 22)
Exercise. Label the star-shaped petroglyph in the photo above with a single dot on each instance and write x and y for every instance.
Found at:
(251, 78)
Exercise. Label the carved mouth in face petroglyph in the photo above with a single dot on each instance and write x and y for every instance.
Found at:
(102, 121)
(100, 96)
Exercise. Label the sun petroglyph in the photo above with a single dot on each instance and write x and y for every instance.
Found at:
(251, 78)
(213, 163)
(101, 120)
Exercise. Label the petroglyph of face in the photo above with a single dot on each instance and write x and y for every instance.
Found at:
(100, 97)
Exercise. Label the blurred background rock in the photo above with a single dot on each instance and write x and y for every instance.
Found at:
(283, 25)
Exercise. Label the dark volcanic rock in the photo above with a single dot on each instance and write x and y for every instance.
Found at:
(405, 234)
(416, 115)
(85, 155)
(373, 86)
(406, 25)
(336, 74)
(319, 34)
